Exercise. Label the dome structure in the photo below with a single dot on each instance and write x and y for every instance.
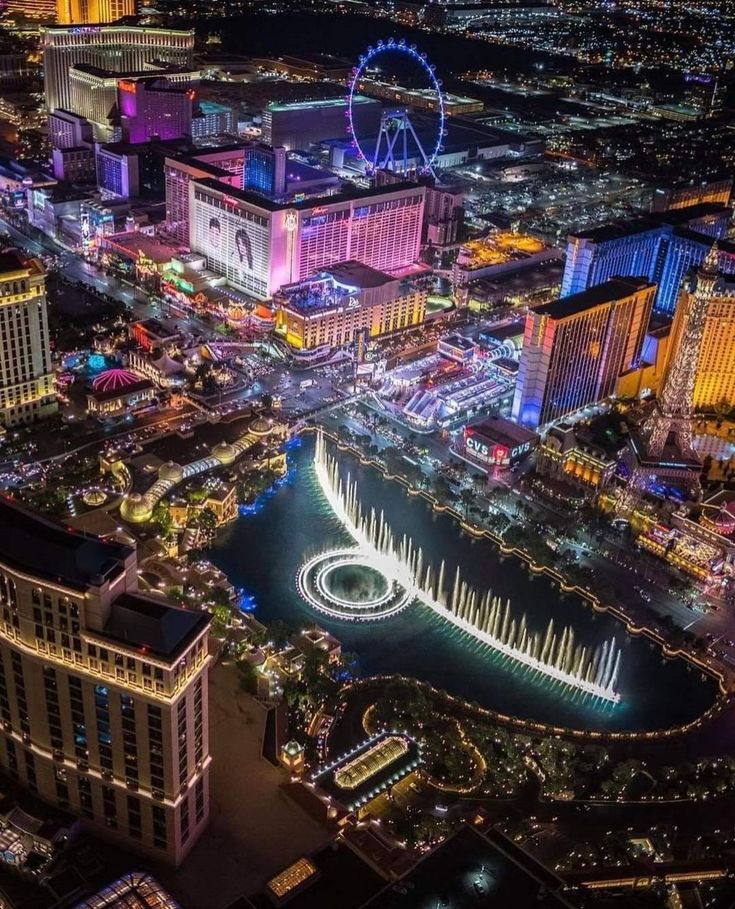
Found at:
(261, 427)
(115, 379)
(719, 519)
(224, 452)
(171, 471)
(94, 496)
(135, 508)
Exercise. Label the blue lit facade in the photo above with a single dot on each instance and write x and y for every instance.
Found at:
(575, 348)
(595, 258)
(661, 253)
(682, 252)
(265, 170)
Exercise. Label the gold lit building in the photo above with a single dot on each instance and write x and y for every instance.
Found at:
(86, 12)
(335, 306)
(715, 376)
(26, 379)
(103, 690)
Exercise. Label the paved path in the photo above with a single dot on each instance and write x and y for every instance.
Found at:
(255, 829)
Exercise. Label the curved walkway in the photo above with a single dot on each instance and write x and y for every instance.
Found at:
(140, 509)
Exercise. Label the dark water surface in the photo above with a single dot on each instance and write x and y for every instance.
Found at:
(262, 551)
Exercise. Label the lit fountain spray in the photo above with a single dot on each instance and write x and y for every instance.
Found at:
(484, 617)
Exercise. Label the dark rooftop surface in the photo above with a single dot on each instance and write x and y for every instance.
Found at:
(618, 230)
(10, 260)
(471, 870)
(614, 289)
(359, 275)
(680, 216)
(165, 69)
(504, 431)
(270, 205)
(152, 625)
(33, 543)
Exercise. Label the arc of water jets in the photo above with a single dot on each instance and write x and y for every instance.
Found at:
(485, 616)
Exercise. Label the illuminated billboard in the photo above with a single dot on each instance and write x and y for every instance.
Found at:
(498, 442)
(235, 241)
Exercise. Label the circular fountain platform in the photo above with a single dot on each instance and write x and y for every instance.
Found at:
(349, 584)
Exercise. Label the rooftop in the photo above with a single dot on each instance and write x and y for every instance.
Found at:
(34, 544)
(499, 248)
(131, 891)
(332, 287)
(317, 103)
(619, 230)
(506, 432)
(12, 261)
(136, 244)
(469, 870)
(264, 202)
(602, 294)
(356, 274)
(152, 625)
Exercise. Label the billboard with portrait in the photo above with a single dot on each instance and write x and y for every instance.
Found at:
(235, 241)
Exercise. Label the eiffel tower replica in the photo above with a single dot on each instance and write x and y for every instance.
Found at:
(662, 452)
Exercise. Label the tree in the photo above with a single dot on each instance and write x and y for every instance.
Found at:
(279, 632)
(442, 488)
(221, 616)
(467, 498)
(162, 517)
(248, 677)
(207, 519)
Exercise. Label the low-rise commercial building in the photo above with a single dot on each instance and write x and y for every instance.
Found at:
(339, 303)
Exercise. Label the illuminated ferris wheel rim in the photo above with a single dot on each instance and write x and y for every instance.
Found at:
(393, 46)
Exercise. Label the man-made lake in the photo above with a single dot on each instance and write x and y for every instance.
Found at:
(263, 550)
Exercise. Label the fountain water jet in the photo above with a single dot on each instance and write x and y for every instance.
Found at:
(484, 617)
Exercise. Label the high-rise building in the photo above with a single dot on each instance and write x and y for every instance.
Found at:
(687, 195)
(705, 93)
(225, 164)
(26, 378)
(116, 48)
(33, 9)
(663, 452)
(118, 170)
(575, 348)
(154, 108)
(662, 249)
(66, 130)
(714, 382)
(75, 165)
(260, 244)
(94, 12)
(301, 124)
(103, 691)
(213, 119)
(104, 97)
(594, 256)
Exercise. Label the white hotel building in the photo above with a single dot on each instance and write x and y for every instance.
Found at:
(259, 245)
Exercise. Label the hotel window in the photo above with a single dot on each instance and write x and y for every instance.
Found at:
(134, 821)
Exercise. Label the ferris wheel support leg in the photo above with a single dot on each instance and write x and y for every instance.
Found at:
(416, 139)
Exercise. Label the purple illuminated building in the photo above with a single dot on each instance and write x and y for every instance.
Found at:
(154, 108)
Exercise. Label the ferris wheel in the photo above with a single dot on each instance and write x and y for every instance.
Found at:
(397, 144)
